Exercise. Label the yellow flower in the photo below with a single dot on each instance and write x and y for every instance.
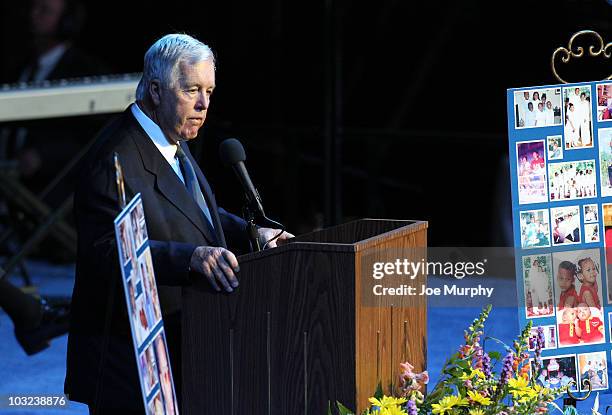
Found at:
(518, 383)
(391, 410)
(478, 398)
(447, 403)
(471, 374)
(477, 411)
(387, 401)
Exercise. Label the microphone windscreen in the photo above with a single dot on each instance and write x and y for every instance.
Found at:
(231, 151)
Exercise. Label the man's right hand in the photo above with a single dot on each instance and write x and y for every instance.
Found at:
(218, 266)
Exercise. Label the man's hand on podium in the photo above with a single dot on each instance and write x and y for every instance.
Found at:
(266, 234)
(218, 266)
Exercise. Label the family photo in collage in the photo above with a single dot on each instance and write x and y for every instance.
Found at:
(555, 148)
(578, 297)
(578, 120)
(594, 368)
(535, 229)
(531, 167)
(604, 102)
(538, 283)
(572, 180)
(537, 108)
(557, 371)
(565, 225)
(605, 160)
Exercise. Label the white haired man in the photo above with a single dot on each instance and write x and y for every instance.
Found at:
(188, 233)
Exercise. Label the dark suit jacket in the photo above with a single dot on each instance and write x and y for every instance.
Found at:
(175, 228)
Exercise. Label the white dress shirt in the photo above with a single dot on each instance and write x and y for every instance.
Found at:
(165, 147)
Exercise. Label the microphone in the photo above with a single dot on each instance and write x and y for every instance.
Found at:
(232, 154)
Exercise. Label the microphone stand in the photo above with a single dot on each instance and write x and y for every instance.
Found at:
(249, 217)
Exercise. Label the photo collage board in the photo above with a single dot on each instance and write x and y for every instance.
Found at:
(144, 311)
(560, 153)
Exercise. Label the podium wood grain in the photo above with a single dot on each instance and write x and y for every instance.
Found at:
(295, 334)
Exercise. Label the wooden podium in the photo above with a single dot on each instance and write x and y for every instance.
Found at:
(296, 335)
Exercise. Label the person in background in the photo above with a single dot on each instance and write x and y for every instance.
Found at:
(43, 147)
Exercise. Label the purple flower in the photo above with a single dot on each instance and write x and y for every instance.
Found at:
(411, 408)
(540, 339)
(486, 365)
(506, 372)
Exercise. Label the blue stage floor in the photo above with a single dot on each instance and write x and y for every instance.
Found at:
(44, 372)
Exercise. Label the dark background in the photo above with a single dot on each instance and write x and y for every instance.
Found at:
(413, 92)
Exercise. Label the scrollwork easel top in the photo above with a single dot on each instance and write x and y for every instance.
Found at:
(571, 51)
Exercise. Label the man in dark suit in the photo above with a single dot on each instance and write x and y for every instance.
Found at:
(188, 233)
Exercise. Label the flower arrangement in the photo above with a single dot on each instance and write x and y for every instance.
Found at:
(469, 386)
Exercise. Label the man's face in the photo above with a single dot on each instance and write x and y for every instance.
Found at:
(526, 95)
(45, 16)
(549, 105)
(181, 110)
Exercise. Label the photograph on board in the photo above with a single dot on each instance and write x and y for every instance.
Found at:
(594, 368)
(605, 160)
(572, 180)
(565, 225)
(578, 120)
(538, 285)
(537, 108)
(604, 102)
(531, 167)
(535, 228)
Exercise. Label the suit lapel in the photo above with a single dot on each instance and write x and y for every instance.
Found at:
(167, 182)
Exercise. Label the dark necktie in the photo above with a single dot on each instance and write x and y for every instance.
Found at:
(192, 184)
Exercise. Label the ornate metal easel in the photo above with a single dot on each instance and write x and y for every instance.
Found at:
(577, 52)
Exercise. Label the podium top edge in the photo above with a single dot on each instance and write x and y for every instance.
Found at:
(411, 226)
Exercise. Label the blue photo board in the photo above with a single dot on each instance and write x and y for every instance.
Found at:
(144, 311)
(560, 139)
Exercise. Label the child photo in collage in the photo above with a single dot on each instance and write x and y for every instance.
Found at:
(139, 225)
(572, 180)
(578, 299)
(537, 108)
(125, 237)
(538, 284)
(557, 371)
(148, 369)
(531, 167)
(145, 266)
(605, 160)
(535, 229)
(604, 102)
(578, 120)
(565, 225)
(594, 368)
(555, 147)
